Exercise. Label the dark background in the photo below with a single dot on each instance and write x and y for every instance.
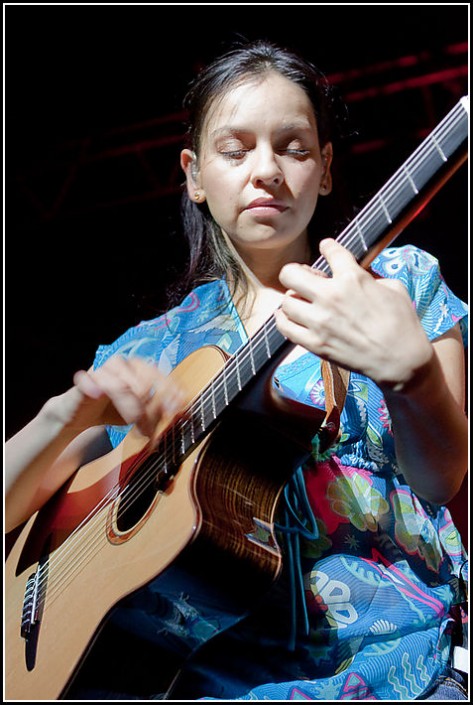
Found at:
(93, 131)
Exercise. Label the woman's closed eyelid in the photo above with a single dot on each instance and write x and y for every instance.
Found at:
(234, 154)
(231, 141)
(241, 151)
(297, 145)
(231, 147)
(296, 150)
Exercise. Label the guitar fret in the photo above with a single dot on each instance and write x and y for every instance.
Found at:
(238, 374)
(225, 390)
(360, 235)
(214, 409)
(202, 413)
(252, 362)
(230, 384)
(386, 212)
(266, 341)
(438, 147)
(411, 180)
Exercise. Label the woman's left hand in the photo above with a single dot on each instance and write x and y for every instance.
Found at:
(353, 319)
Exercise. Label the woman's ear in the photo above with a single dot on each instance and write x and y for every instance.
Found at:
(326, 180)
(191, 170)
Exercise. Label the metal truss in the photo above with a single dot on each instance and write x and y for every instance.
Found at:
(140, 162)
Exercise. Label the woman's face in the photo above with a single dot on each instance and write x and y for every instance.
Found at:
(260, 165)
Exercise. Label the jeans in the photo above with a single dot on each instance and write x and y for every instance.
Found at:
(452, 685)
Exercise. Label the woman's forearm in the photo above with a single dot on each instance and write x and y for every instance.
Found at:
(430, 430)
(29, 458)
(70, 428)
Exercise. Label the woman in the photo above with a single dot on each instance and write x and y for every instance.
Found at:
(373, 547)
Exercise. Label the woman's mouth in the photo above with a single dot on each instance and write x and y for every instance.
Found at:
(266, 206)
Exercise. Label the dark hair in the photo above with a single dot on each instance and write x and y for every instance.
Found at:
(210, 258)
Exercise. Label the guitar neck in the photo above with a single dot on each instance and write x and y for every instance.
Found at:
(376, 226)
(409, 190)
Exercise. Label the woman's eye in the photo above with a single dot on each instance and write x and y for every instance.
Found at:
(241, 152)
(297, 152)
(234, 153)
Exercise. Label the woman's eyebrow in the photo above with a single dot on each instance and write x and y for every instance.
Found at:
(302, 125)
(299, 125)
(230, 130)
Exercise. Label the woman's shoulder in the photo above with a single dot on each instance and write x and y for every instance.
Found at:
(196, 312)
(437, 305)
(410, 260)
(203, 300)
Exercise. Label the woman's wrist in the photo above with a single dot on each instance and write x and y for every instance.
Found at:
(59, 413)
(416, 377)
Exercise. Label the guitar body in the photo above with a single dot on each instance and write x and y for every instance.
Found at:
(215, 514)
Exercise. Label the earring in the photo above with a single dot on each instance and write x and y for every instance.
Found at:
(197, 195)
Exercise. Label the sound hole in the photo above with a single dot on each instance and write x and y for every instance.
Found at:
(136, 498)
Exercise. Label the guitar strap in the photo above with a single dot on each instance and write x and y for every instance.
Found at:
(336, 380)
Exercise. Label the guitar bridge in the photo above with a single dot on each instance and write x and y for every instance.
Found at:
(31, 604)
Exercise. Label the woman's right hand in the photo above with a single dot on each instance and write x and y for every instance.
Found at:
(123, 391)
(68, 430)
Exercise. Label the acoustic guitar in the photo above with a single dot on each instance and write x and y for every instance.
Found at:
(195, 494)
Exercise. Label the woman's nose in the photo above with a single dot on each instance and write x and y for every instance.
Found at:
(266, 169)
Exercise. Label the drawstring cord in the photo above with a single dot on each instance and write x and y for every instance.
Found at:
(298, 521)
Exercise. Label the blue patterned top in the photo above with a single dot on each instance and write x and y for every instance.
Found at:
(382, 572)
